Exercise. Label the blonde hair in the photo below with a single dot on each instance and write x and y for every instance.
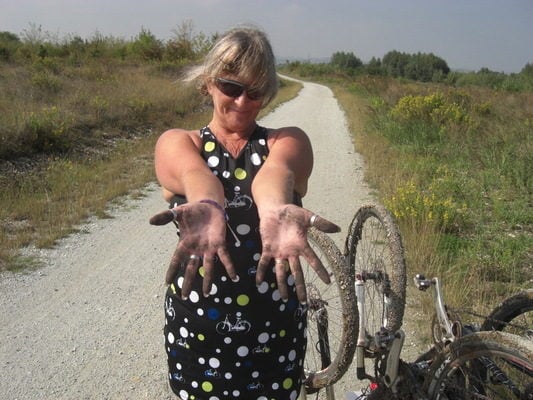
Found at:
(244, 53)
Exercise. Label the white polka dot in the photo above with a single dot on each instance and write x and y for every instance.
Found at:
(263, 337)
(213, 161)
(228, 375)
(236, 393)
(178, 366)
(256, 159)
(292, 355)
(194, 384)
(184, 332)
(170, 337)
(227, 340)
(214, 362)
(282, 307)
(243, 229)
(275, 295)
(200, 312)
(214, 290)
(242, 351)
(227, 300)
(237, 188)
(226, 174)
(201, 361)
(275, 386)
(263, 287)
(293, 395)
(262, 142)
(194, 297)
(180, 282)
(184, 395)
(255, 374)
(290, 280)
(257, 256)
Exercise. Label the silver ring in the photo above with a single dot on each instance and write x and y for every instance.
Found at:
(194, 257)
(279, 261)
(313, 219)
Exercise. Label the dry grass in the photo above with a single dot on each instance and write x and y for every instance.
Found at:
(110, 119)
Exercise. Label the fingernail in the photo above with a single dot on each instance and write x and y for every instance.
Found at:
(236, 278)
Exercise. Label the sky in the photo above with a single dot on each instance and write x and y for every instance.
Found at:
(467, 34)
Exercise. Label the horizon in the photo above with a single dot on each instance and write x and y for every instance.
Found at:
(468, 35)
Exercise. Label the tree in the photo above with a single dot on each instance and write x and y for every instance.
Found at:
(9, 42)
(147, 46)
(345, 60)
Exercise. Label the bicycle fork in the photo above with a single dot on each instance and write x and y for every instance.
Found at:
(394, 342)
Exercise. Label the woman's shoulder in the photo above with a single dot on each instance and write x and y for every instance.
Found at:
(293, 132)
(176, 135)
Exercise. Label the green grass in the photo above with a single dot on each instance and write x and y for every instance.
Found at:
(455, 167)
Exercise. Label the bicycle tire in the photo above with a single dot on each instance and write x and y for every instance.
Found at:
(335, 302)
(490, 365)
(374, 243)
(513, 315)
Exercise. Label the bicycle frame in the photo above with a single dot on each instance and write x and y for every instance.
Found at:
(449, 331)
(389, 342)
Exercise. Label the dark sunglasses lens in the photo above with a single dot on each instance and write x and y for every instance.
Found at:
(230, 89)
(254, 94)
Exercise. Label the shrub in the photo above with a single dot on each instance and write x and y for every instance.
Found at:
(47, 130)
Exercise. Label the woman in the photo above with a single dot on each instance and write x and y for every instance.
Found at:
(235, 307)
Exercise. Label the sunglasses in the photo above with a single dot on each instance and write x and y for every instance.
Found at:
(235, 89)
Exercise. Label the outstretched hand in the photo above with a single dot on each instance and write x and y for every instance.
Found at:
(202, 238)
(284, 237)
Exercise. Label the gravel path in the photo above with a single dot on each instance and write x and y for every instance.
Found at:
(88, 325)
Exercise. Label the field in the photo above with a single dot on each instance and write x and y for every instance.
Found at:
(451, 157)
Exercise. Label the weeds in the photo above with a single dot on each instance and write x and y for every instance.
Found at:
(454, 166)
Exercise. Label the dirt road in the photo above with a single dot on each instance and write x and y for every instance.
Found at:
(89, 324)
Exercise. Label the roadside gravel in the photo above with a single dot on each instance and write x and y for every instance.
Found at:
(88, 325)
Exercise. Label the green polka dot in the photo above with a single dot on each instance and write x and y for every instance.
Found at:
(243, 300)
(207, 387)
(201, 337)
(209, 146)
(287, 383)
(201, 271)
(282, 333)
(240, 174)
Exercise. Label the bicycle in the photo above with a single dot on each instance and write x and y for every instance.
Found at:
(376, 238)
(462, 363)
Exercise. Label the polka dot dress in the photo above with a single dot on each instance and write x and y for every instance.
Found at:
(242, 341)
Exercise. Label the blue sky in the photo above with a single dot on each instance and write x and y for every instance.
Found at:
(468, 34)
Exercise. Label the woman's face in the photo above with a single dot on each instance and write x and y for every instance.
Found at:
(233, 107)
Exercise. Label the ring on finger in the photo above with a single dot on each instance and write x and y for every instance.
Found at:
(194, 257)
(285, 263)
(312, 220)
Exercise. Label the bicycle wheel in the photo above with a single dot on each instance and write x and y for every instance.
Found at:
(374, 250)
(331, 316)
(513, 315)
(483, 365)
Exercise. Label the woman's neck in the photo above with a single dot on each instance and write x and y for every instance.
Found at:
(233, 141)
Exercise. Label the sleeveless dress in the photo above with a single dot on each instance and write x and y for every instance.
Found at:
(243, 341)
